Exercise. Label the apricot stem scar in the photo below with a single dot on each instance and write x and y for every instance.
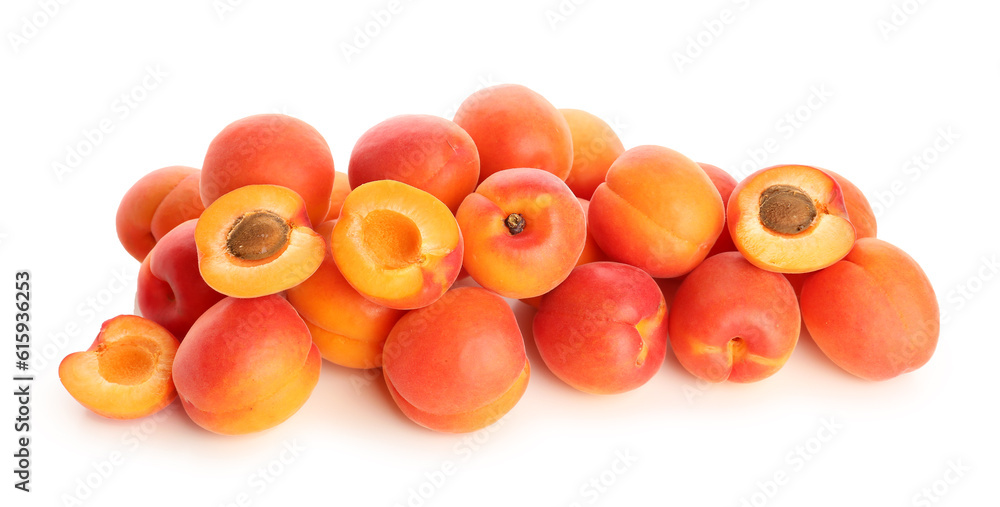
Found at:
(515, 223)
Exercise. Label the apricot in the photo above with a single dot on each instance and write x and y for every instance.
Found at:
(591, 253)
(604, 329)
(873, 313)
(348, 329)
(158, 202)
(246, 365)
(595, 148)
(657, 210)
(397, 245)
(513, 126)
(170, 290)
(524, 232)
(459, 364)
(858, 208)
(724, 183)
(733, 321)
(790, 219)
(257, 240)
(126, 372)
(270, 149)
(427, 152)
(341, 187)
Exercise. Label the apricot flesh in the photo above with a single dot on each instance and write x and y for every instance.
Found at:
(126, 372)
(397, 245)
(790, 219)
(257, 240)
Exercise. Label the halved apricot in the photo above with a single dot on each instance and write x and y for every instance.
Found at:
(397, 245)
(126, 372)
(257, 240)
(790, 219)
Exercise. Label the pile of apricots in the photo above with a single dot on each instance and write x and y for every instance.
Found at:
(266, 261)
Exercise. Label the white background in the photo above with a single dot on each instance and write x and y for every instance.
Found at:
(885, 97)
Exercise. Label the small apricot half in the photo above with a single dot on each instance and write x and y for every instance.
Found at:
(126, 372)
(397, 245)
(790, 219)
(257, 240)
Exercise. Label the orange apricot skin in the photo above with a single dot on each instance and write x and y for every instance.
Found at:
(604, 329)
(874, 313)
(272, 149)
(459, 364)
(724, 183)
(513, 126)
(591, 253)
(533, 261)
(428, 152)
(154, 205)
(80, 372)
(349, 329)
(726, 298)
(859, 210)
(170, 291)
(657, 210)
(595, 148)
(246, 365)
(341, 187)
